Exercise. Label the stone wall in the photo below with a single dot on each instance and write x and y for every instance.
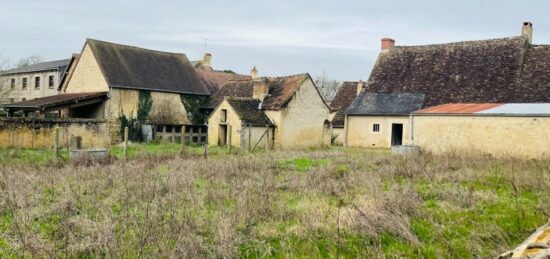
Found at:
(40, 133)
(360, 130)
(301, 123)
(527, 137)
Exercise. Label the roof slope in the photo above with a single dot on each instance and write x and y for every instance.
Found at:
(136, 68)
(280, 90)
(489, 109)
(473, 71)
(344, 97)
(214, 80)
(248, 111)
(55, 100)
(43, 66)
(368, 103)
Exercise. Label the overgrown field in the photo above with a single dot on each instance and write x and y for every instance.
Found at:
(314, 203)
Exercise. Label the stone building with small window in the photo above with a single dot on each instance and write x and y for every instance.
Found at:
(380, 119)
(504, 70)
(34, 81)
(119, 84)
(292, 104)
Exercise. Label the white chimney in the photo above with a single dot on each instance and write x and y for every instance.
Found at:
(527, 32)
(254, 73)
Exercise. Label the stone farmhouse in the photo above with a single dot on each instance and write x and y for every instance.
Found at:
(110, 81)
(298, 115)
(34, 81)
(506, 70)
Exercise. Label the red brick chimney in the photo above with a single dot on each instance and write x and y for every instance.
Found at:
(387, 43)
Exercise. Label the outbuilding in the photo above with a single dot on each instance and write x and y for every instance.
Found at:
(238, 122)
(380, 119)
(514, 129)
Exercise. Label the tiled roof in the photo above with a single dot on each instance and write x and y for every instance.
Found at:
(214, 80)
(489, 109)
(344, 97)
(137, 68)
(43, 66)
(248, 111)
(385, 104)
(495, 71)
(233, 88)
(55, 100)
(280, 90)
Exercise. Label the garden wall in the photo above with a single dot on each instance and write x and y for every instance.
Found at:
(40, 132)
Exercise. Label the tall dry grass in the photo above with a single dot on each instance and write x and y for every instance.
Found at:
(350, 203)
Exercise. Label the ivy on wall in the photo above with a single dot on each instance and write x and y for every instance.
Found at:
(144, 105)
(134, 124)
(193, 105)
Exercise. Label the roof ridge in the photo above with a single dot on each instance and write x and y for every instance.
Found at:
(136, 47)
(459, 42)
(287, 76)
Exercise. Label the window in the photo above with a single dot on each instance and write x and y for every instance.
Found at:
(50, 81)
(37, 82)
(25, 83)
(13, 83)
(23, 99)
(223, 116)
(376, 127)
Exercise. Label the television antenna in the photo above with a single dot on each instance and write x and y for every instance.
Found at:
(205, 43)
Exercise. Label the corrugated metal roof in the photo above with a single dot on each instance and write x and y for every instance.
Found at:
(459, 108)
(54, 100)
(489, 109)
(520, 108)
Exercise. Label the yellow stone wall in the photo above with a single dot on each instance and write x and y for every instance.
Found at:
(175, 102)
(360, 132)
(301, 122)
(126, 101)
(87, 76)
(500, 136)
(232, 119)
(44, 138)
(30, 92)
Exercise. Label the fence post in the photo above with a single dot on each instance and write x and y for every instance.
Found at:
(182, 139)
(205, 151)
(125, 143)
(56, 143)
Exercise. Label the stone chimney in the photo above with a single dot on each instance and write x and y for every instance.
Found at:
(387, 43)
(254, 73)
(260, 88)
(359, 86)
(207, 61)
(527, 32)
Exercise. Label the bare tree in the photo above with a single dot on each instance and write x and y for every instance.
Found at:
(29, 61)
(327, 87)
(5, 89)
(164, 112)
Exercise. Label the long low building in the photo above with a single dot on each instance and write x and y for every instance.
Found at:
(518, 130)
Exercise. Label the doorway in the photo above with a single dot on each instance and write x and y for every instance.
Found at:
(222, 135)
(396, 134)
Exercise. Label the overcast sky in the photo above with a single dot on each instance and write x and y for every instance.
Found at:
(340, 38)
